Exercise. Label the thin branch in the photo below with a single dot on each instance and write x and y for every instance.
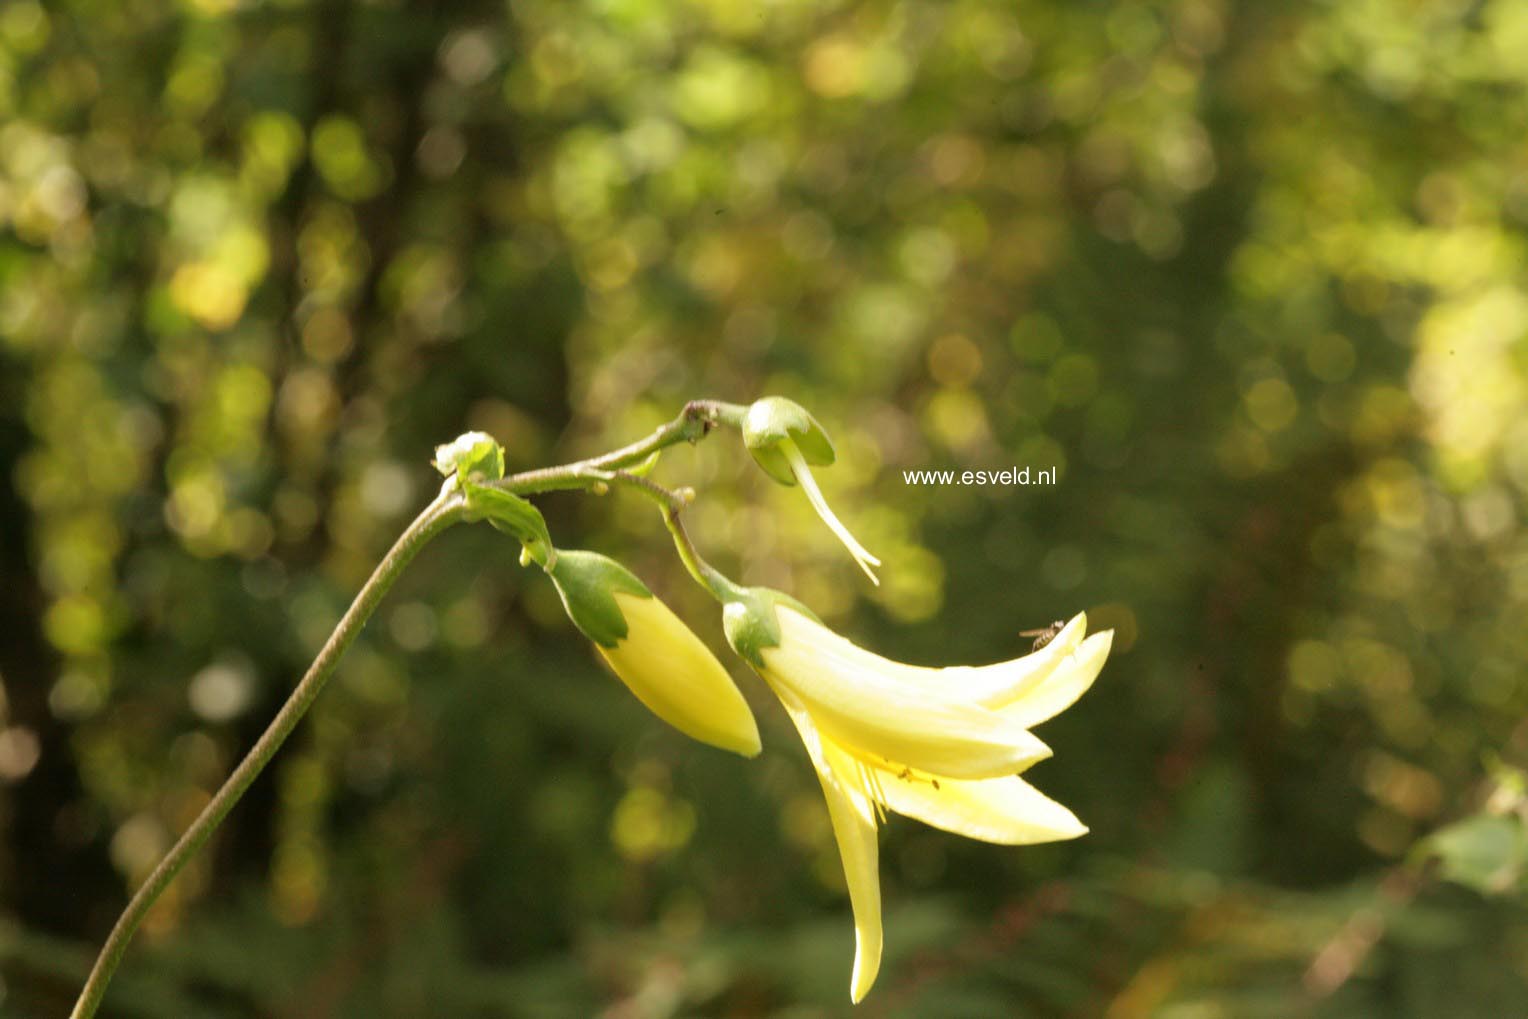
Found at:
(693, 423)
(439, 515)
(696, 419)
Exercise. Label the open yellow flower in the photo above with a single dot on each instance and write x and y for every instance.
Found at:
(940, 745)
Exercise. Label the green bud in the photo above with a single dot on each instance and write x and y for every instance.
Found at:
(588, 583)
(471, 453)
(473, 458)
(749, 620)
(774, 419)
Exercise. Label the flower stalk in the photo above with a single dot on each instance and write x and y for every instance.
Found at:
(445, 510)
(469, 454)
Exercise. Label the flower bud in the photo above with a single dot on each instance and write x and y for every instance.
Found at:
(772, 420)
(786, 441)
(659, 658)
(471, 454)
(470, 462)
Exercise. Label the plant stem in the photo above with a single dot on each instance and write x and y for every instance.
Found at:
(706, 575)
(439, 515)
(672, 502)
(696, 419)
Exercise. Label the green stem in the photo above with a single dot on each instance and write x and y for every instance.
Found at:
(439, 515)
(696, 419)
(671, 503)
(706, 575)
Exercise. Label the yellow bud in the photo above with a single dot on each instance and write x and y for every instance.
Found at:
(678, 678)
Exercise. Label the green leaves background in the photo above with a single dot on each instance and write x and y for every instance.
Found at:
(1251, 276)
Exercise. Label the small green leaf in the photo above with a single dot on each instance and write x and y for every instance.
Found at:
(645, 468)
(513, 515)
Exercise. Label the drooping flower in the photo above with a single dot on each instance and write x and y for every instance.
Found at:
(941, 745)
(786, 440)
(658, 658)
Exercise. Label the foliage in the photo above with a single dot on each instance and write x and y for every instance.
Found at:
(1250, 276)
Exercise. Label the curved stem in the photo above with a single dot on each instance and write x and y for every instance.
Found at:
(672, 502)
(706, 575)
(693, 423)
(696, 419)
(439, 515)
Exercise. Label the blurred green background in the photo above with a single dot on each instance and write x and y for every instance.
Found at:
(1250, 275)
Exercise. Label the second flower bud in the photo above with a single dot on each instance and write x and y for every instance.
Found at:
(659, 659)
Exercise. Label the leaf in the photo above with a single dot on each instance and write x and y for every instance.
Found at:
(511, 514)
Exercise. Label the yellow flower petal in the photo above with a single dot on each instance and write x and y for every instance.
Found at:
(993, 686)
(1006, 810)
(858, 700)
(1062, 687)
(678, 678)
(852, 815)
(939, 745)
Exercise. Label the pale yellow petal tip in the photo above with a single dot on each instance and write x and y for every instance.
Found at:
(862, 556)
(735, 732)
(866, 967)
(1069, 828)
(1034, 750)
(1062, 828)
(868, 571)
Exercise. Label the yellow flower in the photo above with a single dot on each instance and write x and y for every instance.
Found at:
(940, 745)
(658, 658)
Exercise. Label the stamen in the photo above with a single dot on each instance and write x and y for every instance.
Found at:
(872, 783)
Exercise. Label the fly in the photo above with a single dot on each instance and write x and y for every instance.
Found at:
(1045, 635)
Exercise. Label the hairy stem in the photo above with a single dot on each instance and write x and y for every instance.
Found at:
(439, 515)
(696, 419)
